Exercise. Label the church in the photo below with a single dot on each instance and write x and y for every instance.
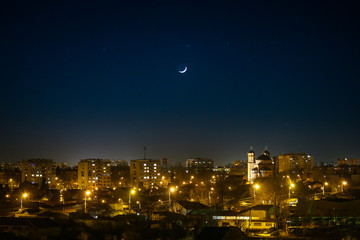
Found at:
(262, 166)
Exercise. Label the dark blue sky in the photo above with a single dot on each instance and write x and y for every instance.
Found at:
(94, 79)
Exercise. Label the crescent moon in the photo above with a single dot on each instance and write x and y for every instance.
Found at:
(183, 71)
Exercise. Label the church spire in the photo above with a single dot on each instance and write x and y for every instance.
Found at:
(266, 152)
(251, 151)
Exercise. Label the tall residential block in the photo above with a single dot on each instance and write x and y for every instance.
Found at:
(145, 173)
(35, 170)
(292, 161)
(94, 174)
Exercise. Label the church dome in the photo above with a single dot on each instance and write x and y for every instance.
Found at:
(264, 157)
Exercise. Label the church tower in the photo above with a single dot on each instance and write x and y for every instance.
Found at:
(250, 163)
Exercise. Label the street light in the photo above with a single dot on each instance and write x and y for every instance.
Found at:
(131, 192)
(62, 198)
(170, 191)
(325, 184)
(256, 186)
(138, 202)
(87, 193)
(24, 195)
(343, 185)
(291, 186)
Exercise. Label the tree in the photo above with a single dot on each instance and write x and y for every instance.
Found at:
(43, 187)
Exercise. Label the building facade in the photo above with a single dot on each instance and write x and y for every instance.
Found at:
(239, 168)
(94, 174)
(67, 177)
(35, 170)
(262, 166)
(120, 173)
(145, 173)
(292, 161)
(200, 163)
(348, 162)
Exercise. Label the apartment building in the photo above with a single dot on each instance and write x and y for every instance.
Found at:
(145, 173)
(94, 174)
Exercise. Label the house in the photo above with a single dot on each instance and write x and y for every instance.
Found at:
(227, 218)
(28, 212)
(261, 217)
(184, 207)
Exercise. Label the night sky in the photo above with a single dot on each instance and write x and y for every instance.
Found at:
(86, 79)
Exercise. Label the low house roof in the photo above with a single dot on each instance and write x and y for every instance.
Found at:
(30, 222)
(262, 207)
(192, 205)
(10, 221)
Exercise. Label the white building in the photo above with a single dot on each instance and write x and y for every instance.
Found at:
(262, 166)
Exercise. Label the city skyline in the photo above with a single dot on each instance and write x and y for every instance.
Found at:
(182, 161)
(101, 80)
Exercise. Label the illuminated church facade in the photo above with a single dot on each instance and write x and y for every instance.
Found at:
(262, 166)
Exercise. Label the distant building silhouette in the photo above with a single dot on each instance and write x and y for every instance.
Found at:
(348, 162)
(239, 168)
(292, 161)
(198, 164)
